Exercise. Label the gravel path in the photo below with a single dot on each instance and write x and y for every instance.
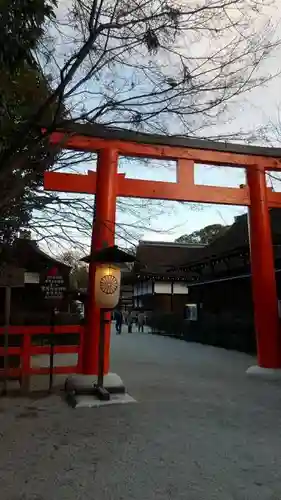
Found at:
(201, 430)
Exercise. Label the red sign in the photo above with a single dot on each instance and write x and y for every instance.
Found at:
(53, 271)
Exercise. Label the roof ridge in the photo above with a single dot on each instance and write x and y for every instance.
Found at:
(170, 243)
(183, 141)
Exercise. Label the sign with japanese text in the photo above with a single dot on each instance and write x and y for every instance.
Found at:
(54, 285)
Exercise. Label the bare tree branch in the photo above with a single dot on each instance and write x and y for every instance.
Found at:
(169, 66)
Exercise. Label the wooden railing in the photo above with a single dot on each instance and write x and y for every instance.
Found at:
(27, 349)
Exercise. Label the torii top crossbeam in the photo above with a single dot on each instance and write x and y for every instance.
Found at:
(94, 137)
(185, 151)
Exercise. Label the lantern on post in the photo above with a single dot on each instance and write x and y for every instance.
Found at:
(107, 285)
(107, 293)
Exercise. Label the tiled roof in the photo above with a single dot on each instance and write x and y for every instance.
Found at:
(27, 254)
(236, 238)
(175, 260)
(159, 257)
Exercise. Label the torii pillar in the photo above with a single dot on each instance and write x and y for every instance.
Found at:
(102, 236)
(267, 321)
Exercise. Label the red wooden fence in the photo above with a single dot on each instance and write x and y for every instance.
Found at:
(26, 350)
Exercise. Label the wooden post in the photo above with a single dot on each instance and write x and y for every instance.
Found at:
(25, 378)
(52, 348)
(6, 337)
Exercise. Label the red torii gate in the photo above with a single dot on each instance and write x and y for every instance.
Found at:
(107, 184)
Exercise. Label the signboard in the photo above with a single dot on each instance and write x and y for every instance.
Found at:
(54, 285)
(11, 276)
(190, 312)
(32, 278)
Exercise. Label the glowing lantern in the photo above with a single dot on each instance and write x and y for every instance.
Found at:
(108, 274)
(107, 286)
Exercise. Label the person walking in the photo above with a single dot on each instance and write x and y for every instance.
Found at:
(125, 317)
(130, 321)
(141, 321)
(118, 322)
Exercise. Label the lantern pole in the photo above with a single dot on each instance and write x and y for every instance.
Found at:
(101, 351)
(107, 293)
(100, 391)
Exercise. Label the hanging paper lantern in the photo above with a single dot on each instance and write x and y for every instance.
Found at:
(107, 286)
